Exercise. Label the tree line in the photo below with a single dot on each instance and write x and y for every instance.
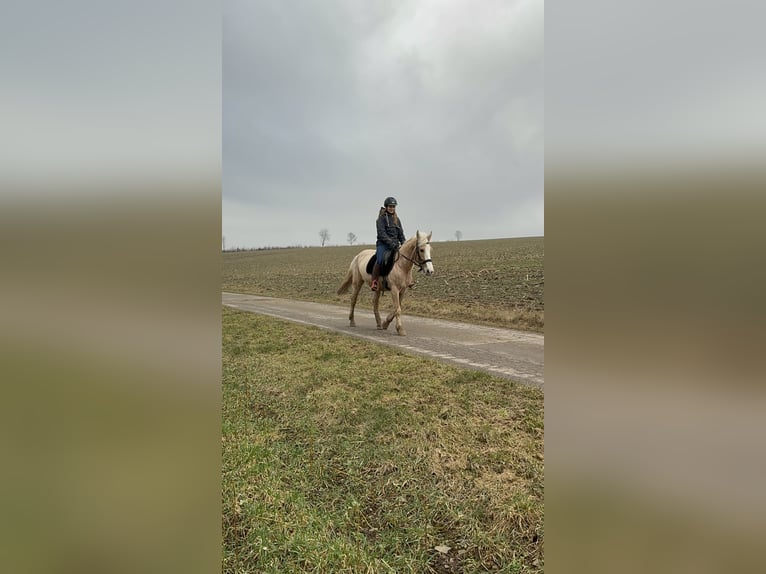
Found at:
(324, 236)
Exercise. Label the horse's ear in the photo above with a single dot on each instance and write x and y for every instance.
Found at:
(430, 233)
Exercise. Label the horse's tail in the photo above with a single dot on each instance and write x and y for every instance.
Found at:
(349, 278)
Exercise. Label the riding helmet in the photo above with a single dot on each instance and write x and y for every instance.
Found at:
(389, 201)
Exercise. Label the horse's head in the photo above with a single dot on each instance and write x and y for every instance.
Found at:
(423, 252)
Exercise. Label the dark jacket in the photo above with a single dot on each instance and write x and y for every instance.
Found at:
(389, 233)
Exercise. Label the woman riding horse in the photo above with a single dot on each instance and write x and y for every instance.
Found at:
(390, 236)
(416, 251)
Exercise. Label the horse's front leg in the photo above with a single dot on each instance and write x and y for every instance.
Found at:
(395, 313)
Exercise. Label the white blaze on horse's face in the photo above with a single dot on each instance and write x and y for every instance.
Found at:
(424, 252)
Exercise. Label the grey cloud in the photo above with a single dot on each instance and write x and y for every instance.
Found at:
(344, 103)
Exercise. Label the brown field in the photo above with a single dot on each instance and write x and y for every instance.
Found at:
(497, 282)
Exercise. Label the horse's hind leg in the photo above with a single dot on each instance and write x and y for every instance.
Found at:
(357, 287)
(376, 310)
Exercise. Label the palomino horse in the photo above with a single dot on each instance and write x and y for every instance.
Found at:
(415, 251)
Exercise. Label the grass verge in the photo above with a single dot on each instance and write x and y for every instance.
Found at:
(344, 456)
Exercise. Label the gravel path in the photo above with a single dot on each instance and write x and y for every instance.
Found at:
(516, 355)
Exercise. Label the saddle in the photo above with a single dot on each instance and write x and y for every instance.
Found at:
(385, 267)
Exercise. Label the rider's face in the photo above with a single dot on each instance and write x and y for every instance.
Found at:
(391, 208)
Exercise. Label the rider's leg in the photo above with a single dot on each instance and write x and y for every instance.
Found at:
(380, 251)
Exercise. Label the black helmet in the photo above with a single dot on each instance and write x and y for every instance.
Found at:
(389, 201)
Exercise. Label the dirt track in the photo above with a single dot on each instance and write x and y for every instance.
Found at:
(515, 355)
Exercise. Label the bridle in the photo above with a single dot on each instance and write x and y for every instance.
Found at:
(420, 262)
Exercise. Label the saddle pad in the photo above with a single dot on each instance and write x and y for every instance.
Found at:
(385, 268)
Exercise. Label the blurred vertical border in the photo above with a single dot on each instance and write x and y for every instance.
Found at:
(110, 292)
(110, 177)
(654, 388)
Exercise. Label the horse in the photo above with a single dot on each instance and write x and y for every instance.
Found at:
(415, 251)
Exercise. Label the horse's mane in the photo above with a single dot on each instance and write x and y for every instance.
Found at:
(410, 241)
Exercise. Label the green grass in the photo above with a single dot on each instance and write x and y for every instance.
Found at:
(344, 456)
(496, 282)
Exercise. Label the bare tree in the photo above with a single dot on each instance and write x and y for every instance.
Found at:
(324, 234)
(351, 238)
(458, 235)
(223, 243)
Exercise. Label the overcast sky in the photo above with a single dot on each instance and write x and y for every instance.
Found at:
(331, 106)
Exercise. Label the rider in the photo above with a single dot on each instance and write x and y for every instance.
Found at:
(390, 236)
